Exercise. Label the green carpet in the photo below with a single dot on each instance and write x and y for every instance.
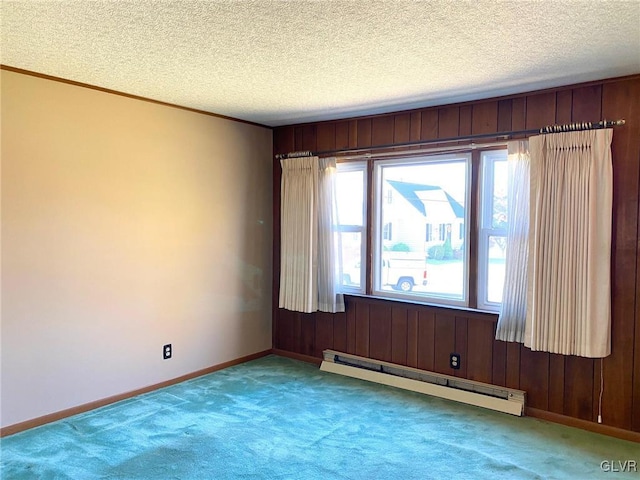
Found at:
(276, 418)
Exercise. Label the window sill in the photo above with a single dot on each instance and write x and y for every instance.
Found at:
(450, 309)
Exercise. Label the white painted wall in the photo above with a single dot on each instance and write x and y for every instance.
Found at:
(125, 225)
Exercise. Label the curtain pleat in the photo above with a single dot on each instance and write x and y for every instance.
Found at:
(513, 313)
(298, 242)
(308, 251)
(329, 297)
(568, 287)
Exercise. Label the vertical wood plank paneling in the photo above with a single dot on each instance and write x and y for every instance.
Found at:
(401, 128)
(541, 110)
(635, 416)
(512, 374)
(283, 140)
(382, 130)
(448, 122)
(445, 340)
(286, 339)
(499, 368)
(485, 118)
(464, 126)
(620, 397)
(429, 124)
(479, 358)
(412, 338)
(380, 333)
(297, 135)
(296, 330)
(362, 329)
(563, 106)
(597, 377)
(363, 133)
(307, 333)
(324, 333)
(426, 340)
(353, 133)
(326, 137)
(461, 346)
(587, 104)
(351, 327)
(415, 126)
(518, 113)
(534, 377)
(578, 387)
(556, 383)
(342, 135)
(504, 115)
(309, 138)
(340, 331)
(399, 335)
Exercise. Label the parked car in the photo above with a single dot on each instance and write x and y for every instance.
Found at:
(403, 273)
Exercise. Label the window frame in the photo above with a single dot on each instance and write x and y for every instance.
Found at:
(488, 158)
(376, 227)
(473, 289)
(351, 166)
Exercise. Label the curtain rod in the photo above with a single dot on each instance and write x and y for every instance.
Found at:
(569, 127)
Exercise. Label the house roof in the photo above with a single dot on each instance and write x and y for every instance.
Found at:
(285, 62)
(410, 191)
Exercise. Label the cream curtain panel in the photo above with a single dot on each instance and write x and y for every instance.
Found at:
(568, 291)
(308, 250)
(298, 234)
(569, 280)
(329, 259)
(514, 297)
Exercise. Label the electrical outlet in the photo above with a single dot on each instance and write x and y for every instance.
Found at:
(166, 351)
(454, 361)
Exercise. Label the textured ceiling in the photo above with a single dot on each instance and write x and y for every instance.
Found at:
(277, 62)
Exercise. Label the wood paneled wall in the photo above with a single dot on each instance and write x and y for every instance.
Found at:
(422, 336)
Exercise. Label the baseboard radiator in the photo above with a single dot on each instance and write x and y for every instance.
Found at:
(471, 392)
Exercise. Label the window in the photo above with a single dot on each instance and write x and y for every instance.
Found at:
(387, 231)
(428, 190)
(389, 195)
(420, 241)
(442, 229)
(493, 229)
(351, 233)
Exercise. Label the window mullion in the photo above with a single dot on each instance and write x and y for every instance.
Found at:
(369, 229)
(474, 226)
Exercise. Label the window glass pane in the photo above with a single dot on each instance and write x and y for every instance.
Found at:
(499, 195)
(495, 271)
(350, 246)
(427, 197)
(492, 242)
(350, 197)
(350, 228)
